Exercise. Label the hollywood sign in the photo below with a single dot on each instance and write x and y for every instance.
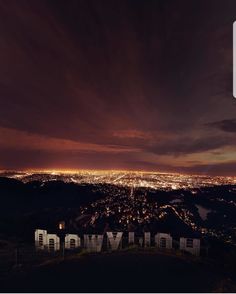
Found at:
(112, 241)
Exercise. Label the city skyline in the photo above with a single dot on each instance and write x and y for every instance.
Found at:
(117, 86)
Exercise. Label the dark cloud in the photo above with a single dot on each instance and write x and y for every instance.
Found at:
(221, 169)
(148, 76)
(226, 125)
(188, 145)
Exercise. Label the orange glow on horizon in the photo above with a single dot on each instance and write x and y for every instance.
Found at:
(58, 171)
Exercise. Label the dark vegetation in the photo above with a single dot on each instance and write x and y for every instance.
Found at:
(220, 200)
(122, 272)
(25, 206)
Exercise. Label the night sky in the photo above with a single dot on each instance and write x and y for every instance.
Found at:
(138, 85)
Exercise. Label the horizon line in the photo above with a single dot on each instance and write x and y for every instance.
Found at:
(74, 171)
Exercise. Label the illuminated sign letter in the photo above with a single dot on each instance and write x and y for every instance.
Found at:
(114, 239)
(72, 241)
(163, 241)
(93, 243)
(190, 245)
